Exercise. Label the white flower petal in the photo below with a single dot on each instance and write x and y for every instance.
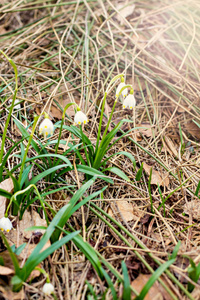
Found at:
(80, 118)
(5, 224)
(124, 92)
(46, 128)
(129, 101)
(48, 289)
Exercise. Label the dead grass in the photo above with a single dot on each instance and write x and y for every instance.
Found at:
(68, 53)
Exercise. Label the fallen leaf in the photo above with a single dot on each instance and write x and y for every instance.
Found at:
(34, 273)
(192, 208)
(157, 177)
(170, 146)
(6, 271)
(8, 186)
(8, 294)
(2, 30)
(126, 210)
(19, 236)
(193, 129)
(156, 292)
(124, 12)
(146, 130)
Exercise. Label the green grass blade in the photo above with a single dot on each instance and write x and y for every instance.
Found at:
(126, 284)
(153, 278)
(118, 172)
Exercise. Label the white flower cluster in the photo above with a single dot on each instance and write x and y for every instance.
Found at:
(5, 224)
(129, 101)
(46, 127)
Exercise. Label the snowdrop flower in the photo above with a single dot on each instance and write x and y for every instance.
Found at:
(48, 289)
(129, 101)
(46, 127)
(80, 118)
(5, 224)
(120, 86)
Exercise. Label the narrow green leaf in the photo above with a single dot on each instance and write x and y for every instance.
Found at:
(66, 210)
(175, 251)
(139, 173)
(93, 172)
(118, 172)
(126, 284)
(153, 278)
(46, 172)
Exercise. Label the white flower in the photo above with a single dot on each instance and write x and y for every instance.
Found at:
(129, 101)
(48, 289)
(46, 127)
(5, 224)
(124, 92)
(80, 118)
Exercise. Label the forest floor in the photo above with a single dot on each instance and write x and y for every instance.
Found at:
(144, 205)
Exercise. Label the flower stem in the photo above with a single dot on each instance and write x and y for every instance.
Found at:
(104, 135)
(84, 146)
(27, 148)
(100, 122)
(12, 105)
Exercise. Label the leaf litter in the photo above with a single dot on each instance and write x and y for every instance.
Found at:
(154, 59)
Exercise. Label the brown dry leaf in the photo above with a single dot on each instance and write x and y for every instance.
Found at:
(146, 131)
(157, 178)
(8, 186)
(34, 273)
(193, 129)
(57, 113)
(124, 12)
(8, 294)
(19, 236)
(192, 208)
(156, 292)
(170, 146)
(6, 271)
(126, 209)
(2, 30)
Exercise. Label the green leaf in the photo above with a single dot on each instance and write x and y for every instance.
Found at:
(139, 173)
(35, 228)
(111, 286)
(153, 278)
(66, 210)
(175, 251)
(16, 280)
(12, 255)
(127, 154)
(46, 172)
(37, 258)
(26, 135)
(83, 202)
(6, 194)
(88, 252)
(6, 157)
(20, 249)
(25, 175)
(93, 172)
(126, 284)
(118, 172)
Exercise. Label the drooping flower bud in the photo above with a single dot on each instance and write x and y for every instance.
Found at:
(5, 224)
(120, 86)
(48, 289)
(129, 101)
(46, 127)
(80, 118)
